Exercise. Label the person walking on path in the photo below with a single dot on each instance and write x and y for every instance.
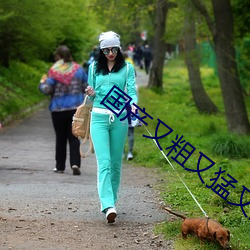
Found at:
(65, 84)
(131, 129)
(107, 131)
(147, 54)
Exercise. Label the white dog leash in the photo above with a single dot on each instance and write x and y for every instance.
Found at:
(178, 175)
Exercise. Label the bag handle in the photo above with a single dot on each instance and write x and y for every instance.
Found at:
(85, 139)
(90, 149)
(85, 99)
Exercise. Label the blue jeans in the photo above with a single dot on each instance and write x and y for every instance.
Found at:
(108, 139)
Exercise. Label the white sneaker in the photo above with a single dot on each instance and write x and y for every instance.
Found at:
(111, 214)
(76, 170)
(130, 156)
(58, 171)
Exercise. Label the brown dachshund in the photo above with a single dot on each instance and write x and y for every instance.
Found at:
(204, 228)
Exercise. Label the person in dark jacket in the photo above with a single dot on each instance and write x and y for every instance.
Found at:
(147, 54)
(65, 83)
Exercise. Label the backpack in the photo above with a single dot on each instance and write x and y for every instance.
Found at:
(81, 126)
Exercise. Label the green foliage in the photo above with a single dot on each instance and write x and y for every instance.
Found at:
(128, 18)
(243, 60)
(176, 18)
(175, 24)
(241, 17)
(29, 33)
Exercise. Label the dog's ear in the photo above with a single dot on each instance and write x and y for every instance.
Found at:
(228, 237)
(214, 235)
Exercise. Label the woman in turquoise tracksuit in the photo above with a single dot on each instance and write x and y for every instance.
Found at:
(108, 132)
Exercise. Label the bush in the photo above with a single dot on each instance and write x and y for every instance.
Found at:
(230, 146)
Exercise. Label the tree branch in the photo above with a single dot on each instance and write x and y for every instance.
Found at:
(202, 9)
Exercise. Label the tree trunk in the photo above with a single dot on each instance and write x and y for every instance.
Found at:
(159, 47)
(201, 99)
(233, 98)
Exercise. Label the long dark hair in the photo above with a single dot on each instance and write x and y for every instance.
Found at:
(102, 67)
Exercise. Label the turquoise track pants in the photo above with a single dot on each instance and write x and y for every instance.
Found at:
(108, 139)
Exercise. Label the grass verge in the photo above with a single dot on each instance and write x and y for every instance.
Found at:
(19, 89)
(208, 134)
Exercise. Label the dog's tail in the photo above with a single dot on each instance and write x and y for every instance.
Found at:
(175, 213)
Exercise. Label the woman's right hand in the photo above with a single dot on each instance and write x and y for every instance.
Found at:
(90, 91)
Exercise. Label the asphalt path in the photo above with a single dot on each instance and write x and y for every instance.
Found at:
(30, 190)
(26, 164)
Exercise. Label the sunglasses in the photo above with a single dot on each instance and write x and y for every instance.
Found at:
(106, 51)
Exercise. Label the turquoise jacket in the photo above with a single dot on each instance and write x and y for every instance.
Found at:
(124, 79)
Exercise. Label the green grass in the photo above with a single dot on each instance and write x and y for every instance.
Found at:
(19, 87)
(230, 146)
(208, 134)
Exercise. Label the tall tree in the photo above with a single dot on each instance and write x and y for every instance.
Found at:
(201, 99)
(223, 38)
(159, 44)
